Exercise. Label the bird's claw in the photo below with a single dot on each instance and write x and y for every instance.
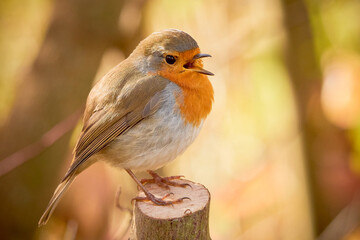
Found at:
(160, 201)
(164, 182)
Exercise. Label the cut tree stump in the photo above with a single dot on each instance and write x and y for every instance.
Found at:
(187, 220)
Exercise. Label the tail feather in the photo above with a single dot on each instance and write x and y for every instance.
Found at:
(55, 199)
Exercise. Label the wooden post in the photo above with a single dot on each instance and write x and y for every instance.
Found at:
(186, 220)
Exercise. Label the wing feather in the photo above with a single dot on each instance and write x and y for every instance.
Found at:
(101, 128)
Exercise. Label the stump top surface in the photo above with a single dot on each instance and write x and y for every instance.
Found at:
(198, 194)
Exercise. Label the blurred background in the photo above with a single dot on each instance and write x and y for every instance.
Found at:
(280, 152)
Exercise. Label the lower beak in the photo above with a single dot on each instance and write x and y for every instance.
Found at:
(195, 68)
(202, 71)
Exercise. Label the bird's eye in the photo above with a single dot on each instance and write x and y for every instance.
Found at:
(170, 59)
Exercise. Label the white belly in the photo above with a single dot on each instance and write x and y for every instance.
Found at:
(155, 141)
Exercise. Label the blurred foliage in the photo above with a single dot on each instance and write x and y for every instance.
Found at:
(23, 25)
(250, 153)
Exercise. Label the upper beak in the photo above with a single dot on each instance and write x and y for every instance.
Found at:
(198, 69)
(201, 55)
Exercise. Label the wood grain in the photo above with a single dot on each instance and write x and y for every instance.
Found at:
(186, 220)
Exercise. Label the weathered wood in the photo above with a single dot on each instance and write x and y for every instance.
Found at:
(186, 220)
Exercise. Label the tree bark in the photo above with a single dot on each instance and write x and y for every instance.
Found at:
(186, 220)
(323, 143)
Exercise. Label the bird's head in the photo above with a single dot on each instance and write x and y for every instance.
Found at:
(173, 54)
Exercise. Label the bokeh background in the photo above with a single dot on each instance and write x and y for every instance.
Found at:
(280, 152)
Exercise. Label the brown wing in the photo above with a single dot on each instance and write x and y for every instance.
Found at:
(104, 125)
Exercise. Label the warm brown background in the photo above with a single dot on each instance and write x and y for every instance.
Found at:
(280, 152)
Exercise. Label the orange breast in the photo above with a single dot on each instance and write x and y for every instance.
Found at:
(195, 104)
(197, 96)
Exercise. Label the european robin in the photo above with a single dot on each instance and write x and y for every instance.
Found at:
(144, 112)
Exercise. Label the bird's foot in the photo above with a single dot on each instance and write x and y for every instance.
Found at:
(164, 182)
(159, 201)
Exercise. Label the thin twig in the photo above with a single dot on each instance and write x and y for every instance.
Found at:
(122, 235)
(345, 222)
(49, 138)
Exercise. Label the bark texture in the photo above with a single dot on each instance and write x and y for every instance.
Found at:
(186, 220)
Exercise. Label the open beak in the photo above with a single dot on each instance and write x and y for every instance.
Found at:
(193, 67)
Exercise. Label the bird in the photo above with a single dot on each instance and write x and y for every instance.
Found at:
(144, 112)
